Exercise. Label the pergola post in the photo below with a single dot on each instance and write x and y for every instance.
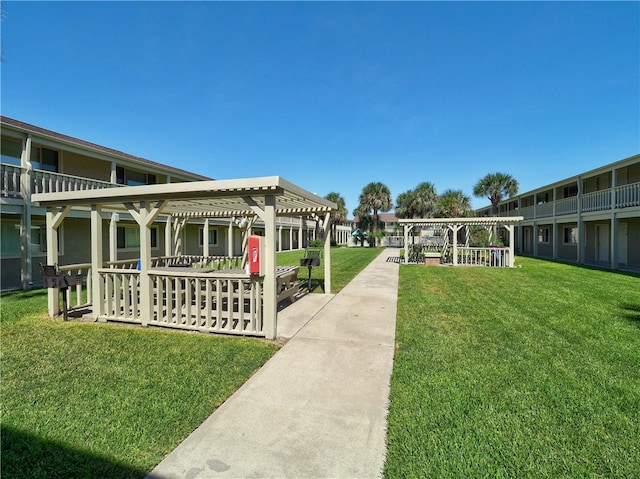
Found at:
(270, 308)
(512, 258)
(168, 246)
(97, 292)
(113, 237)
(327, 253)
(54, 220)
(145, 216)
(455, 229)
(300, 235)
(205, 238)
(230, 233)
(406, 243)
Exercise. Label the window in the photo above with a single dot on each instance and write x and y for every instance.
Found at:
(11, 152)
(570, 235)
(213, 236)
(570, 191)
(129, 237)
(44, 159)
(10, 244)
(543, 235)
(133, 178)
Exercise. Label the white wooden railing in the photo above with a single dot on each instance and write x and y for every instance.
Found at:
(120, 291)
(544, 210)
(10, 181)
(567, 206)
(45, 182)
(628, 195)
(596, 200)
(496, 257)
(228, 303)
(49, 182)
(215, 302)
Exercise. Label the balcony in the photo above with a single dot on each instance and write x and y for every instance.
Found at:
(44, 182)
(625, 196)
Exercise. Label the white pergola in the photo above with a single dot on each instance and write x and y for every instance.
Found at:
(455, 224)
(264, 198)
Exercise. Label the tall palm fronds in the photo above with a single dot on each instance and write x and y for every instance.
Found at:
(375, 197)
(453, 204)
(496, 186)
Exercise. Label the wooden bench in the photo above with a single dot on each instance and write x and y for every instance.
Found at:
(287, 283)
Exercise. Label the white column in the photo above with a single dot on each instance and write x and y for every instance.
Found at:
(52, 258)
(230, 251)
(26, 262)
(300, 244)
(205, 238)
(270, 307)
(510, 228)
(97, 293)
(168, 237)
(279, 238)
(455, 229)
(327, 253)
(581, 229)
(290, 237)
(406, 243)
(114, 175)
(113, 237)
(613, 242)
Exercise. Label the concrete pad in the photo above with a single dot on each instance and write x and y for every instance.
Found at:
(295, 315)
(318, 408)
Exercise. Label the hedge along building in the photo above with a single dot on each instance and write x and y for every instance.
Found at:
(205, 299)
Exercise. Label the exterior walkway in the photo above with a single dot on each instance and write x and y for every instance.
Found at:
(317, 409)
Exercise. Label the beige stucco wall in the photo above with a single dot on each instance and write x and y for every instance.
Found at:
(79, 165)
(566, 251)
(596, 183)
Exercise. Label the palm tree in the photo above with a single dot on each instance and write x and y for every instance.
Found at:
(495, 186)
(453, 204)
(424, 203)
(375, 197)
(338, 215)
(418, 203)
(403, 204)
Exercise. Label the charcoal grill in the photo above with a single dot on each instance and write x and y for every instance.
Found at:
(56, 279)
(311, 259)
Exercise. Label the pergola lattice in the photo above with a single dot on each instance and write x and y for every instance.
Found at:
(455, 224)
(265, 198)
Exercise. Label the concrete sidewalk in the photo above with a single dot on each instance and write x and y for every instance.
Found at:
(317, 409)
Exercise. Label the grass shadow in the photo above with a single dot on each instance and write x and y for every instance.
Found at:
(632, 313)
(26, 456)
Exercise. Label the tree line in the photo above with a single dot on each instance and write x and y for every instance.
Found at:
(421, 202)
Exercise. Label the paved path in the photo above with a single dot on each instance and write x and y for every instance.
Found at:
(317, 409)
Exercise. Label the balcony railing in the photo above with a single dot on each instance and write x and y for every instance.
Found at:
(596, 201)
(626, 196)
(10, 181)
(45, 182)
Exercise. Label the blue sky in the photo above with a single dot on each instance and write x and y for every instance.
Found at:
(332, 95)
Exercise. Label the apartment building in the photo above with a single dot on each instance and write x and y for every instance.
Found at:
(592, 218)
(36, 160)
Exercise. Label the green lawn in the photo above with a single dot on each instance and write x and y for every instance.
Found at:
(528, 372)
(82, 400)
(93, 400)
(346, 263)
